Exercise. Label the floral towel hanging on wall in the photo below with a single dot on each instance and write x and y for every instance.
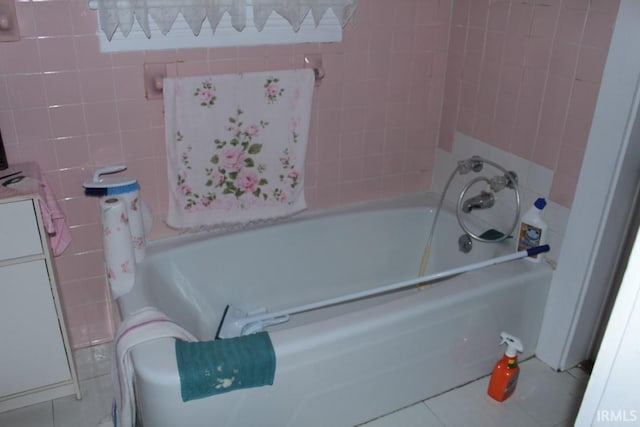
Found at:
(236, 146)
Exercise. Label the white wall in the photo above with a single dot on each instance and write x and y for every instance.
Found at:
(534, 181)
(601, 210)
(611, 397)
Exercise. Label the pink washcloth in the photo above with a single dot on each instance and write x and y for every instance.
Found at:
(236, 147)
(53, 219)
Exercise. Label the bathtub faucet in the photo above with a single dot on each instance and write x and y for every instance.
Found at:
(483, 200)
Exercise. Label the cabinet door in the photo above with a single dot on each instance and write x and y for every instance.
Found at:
(19, 235)
(32, 350)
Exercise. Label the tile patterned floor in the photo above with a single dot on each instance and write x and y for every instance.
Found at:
(543, 398)
(94, 372)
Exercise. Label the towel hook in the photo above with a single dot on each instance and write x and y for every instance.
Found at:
(154, 73)
(314, 60)
(9, 31)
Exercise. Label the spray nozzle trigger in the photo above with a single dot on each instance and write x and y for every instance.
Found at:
(514, 344)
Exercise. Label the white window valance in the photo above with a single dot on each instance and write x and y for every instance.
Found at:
(114, 14)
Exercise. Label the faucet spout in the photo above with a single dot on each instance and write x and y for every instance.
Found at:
(484, 200)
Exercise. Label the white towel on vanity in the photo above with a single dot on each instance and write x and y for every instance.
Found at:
(236, 146)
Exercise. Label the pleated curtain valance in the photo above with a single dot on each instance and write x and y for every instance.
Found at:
(114, 14)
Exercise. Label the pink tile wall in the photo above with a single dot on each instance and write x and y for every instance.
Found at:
(524, 75)
(72, 109)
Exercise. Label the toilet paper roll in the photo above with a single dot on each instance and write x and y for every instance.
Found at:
(119, 254)
(136, 223)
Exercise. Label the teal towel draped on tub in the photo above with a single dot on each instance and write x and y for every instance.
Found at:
(207, 368)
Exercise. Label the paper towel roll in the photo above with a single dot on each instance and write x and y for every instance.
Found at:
(119, 254)
(136, 223)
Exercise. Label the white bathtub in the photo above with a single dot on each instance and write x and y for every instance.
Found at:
(346, 364)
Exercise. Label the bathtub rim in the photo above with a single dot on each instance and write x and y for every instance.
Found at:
(136, 298)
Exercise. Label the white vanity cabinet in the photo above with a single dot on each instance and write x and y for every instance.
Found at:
(36, 362)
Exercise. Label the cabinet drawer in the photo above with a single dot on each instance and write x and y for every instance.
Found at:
(32, 351)
(19, 235)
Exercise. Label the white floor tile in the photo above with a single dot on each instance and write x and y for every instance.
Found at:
(94, 361)
(543, 398)
(40, 415)
(417, 415)
(97, 399)
(547, 396)
(471, 406)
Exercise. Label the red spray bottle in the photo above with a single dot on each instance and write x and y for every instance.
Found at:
(505, 374)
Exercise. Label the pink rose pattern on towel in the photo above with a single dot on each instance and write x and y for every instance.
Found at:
(235, 177)
(272, 90)
(206, 94)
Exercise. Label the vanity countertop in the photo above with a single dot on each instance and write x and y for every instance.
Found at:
(20, 180)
